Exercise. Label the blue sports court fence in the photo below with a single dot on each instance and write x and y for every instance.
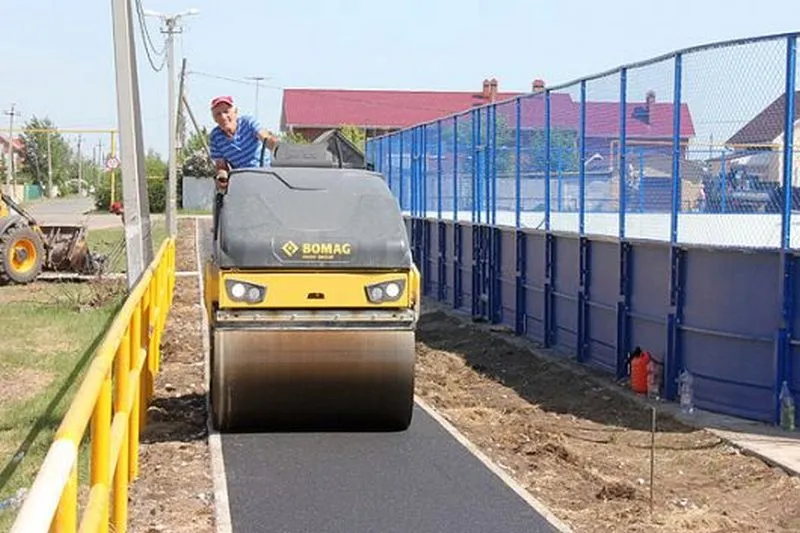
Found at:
(648, 206)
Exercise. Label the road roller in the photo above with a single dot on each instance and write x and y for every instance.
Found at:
(312, 298)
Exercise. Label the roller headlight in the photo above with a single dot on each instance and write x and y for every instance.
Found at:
(386, 291)
(241, 291)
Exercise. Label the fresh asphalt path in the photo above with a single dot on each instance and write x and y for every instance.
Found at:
(420, 480)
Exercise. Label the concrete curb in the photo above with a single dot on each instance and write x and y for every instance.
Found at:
(222, 513)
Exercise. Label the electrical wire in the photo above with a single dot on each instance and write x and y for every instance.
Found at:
(340, 97)
(148, 41)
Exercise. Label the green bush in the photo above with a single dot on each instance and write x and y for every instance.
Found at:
(156, 194)
(102, 195)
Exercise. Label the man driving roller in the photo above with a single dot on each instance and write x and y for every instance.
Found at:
(236, 140)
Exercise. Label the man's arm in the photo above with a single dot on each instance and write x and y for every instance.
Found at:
(263, 134)
(266, 135)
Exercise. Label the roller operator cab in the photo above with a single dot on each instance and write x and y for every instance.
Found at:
(312, 299)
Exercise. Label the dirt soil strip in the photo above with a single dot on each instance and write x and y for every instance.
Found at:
(175, 490)
(186, 258)
(584, 450)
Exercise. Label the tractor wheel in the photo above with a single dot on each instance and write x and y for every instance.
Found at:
(21, 255)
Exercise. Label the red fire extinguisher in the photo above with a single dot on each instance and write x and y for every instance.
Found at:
(639, 362)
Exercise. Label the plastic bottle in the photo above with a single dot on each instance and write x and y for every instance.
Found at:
(653, 379)
(686, 391)
(787, 408)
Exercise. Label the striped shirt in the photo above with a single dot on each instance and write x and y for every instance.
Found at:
(243, 150)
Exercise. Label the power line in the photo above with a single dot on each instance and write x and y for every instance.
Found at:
(340, 97)
(148, 41)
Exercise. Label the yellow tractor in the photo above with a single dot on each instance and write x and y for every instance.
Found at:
(312, 298)
(27, 248)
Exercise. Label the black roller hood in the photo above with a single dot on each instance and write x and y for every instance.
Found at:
(318, 218)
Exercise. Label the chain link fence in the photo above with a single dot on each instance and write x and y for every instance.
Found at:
(687, 148)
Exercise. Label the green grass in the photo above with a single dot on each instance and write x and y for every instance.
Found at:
(49, 332)
(194, 212)
(111, 242)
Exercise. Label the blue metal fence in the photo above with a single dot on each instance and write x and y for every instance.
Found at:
(646, 206)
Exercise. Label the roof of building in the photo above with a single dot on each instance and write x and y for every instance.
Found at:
(767, 126)
(384, 109)
(19, 144)
(380, 109)
(602, 118)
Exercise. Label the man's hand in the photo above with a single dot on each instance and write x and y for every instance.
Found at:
(222, 175)
(271, 139)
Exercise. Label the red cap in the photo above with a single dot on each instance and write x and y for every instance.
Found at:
(221, 100)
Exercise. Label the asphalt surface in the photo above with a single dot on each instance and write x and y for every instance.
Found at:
(75, 210)
(421, 480)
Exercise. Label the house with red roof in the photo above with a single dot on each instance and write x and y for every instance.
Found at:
(758, 146)
(18, 149)
(310, 112)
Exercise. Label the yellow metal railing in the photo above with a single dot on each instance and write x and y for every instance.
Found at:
(113, 397)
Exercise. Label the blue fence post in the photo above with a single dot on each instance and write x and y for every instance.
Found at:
(439, 169)
(724, 188)
(379, 166)
(455, 169)
(422, 144)
(494, 163)
(547, 160)
(623, 147)
(474, 159)
(423, 170)
(673, 362)
(518, 165)
(583, 242)
(521, 318)
(389, 170)
(495, 263)
(478, 148)
(440, 223)
(783, 370)
(457, 253)
(623, 303)
(401, 160)
(549, 267)
(582, 159)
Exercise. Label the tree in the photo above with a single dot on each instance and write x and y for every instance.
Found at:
(153, 164)
(194, 159)
(533, 156)
(355, 135)
(292, 137)
(34, 168)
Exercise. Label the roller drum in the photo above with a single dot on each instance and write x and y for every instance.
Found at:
(268, 379)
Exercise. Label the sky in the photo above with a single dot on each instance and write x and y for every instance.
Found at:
(58, 57)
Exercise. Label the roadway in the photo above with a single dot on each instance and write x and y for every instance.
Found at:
(421, 480)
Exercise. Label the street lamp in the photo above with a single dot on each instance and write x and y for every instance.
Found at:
(257, 79)
(171, 27)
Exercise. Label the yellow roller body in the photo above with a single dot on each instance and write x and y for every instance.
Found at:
(311, 341)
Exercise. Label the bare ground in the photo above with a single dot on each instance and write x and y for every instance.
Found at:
(584, 450)
(186, 259)
(174, 491)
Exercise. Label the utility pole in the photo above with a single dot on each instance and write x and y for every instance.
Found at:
(49, 166)
(138, 240)
(258, 80)
(9, 171)
(80, 167)
(171, 27)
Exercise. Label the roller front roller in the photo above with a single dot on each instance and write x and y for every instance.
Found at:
(314, 379)
(313, 299)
